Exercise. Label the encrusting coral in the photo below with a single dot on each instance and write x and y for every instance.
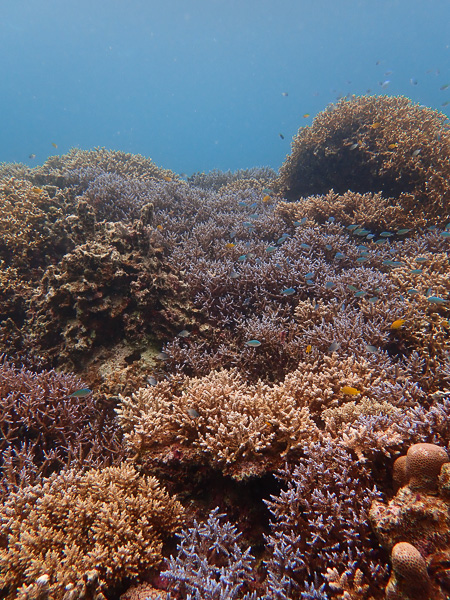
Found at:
(111, 520)
(414, 525)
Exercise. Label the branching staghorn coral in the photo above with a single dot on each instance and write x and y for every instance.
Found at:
(374, 144)
(58, 170)
(210, 565)
(44, 428)
(111, 520)
(245, 429)
(320, 527)
(216, 420)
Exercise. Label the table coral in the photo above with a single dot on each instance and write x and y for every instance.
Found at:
(111, 520)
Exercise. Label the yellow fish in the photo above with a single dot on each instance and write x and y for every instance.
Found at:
(351, 391)
(397, 323)
(230, 245)
(159, 227)
(376, 125)
(266, 199)
(392, 146)
(308, 349)
(54, 145)
(167, 178)
(306, 115)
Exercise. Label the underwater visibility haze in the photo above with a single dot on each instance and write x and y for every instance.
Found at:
(208, 83)
(224, 300)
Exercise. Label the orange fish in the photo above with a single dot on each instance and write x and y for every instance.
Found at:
(159, 227)
(397, 324)
(167, 178)
(350, 391)
(308, 349)
(266, 198)
(306, 115)
(376, 125)
(392, 146)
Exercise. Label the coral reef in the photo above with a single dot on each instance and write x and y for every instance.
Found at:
(374, 144)
(414, 525)
(272, 358)
(45, 428)
(112, 520)
(210, 564)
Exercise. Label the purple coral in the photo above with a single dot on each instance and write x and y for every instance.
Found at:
(210, 565)
(320, 521)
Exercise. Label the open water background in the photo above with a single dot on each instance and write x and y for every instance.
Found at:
(202, 84)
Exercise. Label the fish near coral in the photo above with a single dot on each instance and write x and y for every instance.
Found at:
(350, 391)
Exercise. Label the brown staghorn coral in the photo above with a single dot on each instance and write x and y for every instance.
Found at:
(217, 419)
(56, 170)
(371, 209)
(111, 520)
(246, 429)
(374, 144)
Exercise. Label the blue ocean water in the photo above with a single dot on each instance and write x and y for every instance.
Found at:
(204, 84)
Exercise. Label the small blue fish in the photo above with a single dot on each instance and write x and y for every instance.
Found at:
(352, 288)
(352, 227)
(373, 299)
(403, 231)
(393, 263)
(305, 246)
(80, 393)
(339, 255)
(271, 249)
(309, 282)
(360, 294)
(436, 300)
(333, 346)
(362, 259)
(242, 257)
(329, 247)
(416, 271)
(288, 292)
(361, 247)
(372, 349)
(412, 291)
(445, 234)
(309, 275)
(386, 234)
(329, 285)
(380, 241)
(421, 259)
(253, 343)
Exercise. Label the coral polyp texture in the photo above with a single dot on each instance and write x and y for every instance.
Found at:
(113, 521)
(270, 347)
(413, 526)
